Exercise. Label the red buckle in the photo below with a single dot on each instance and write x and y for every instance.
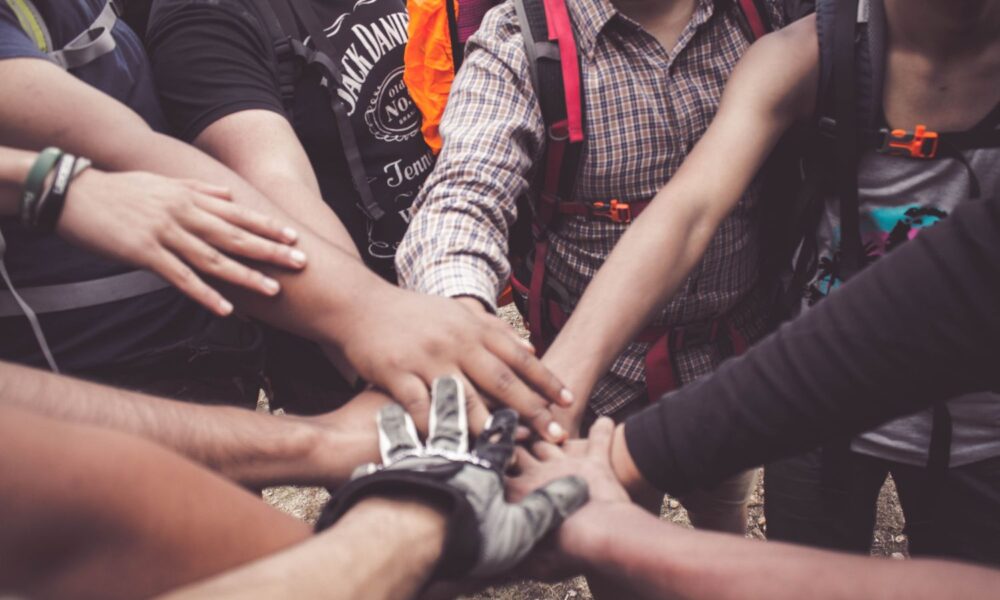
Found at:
(615, 211)
(919, 144)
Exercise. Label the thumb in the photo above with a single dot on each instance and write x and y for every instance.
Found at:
(509, 538)
(548, 506)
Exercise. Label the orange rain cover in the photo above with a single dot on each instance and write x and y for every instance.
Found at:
(429, 62)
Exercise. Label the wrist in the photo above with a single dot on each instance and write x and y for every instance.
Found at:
(627, 471)
(577, 373)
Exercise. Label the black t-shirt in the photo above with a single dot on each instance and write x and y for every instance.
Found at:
(918, 326)
(102, 336)
(215, 58)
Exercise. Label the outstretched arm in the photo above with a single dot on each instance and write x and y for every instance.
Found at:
(398, 340)
(250, 448)
(918, 326)
(653, 559)
(382, 549)
(771, 87)
(159, 222)
(659, 560)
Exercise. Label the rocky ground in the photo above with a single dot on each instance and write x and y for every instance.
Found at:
(305, 503)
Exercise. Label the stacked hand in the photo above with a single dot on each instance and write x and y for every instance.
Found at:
(412, 339)
(487, 535)
(174, 228)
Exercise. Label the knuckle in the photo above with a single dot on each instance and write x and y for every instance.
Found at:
(505, 381)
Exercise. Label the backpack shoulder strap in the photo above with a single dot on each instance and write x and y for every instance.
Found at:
(554, 64)
(846, 103)
(280, 24)
(94, 42)
(32, 23)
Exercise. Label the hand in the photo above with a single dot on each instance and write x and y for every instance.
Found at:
(589, 459)
(410, 339)
(173, 226)
(488, 535)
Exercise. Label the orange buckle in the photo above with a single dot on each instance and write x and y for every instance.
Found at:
(919, 144)
(615, 211)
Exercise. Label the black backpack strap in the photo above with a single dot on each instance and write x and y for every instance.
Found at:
(324, 57)
(837, 31)
(280, 25)
(457, 47)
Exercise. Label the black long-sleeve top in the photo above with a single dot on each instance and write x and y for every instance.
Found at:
(922, 324)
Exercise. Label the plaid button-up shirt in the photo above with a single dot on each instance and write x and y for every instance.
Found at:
(645, 107)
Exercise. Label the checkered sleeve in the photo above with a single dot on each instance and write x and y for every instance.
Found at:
(492, 133)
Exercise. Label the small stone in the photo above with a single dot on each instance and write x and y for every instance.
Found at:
(761, 520)
(571, 594)
(673, 504)
(898, 556)
(899, 539)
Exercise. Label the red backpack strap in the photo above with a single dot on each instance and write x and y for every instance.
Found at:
(754, 18)
(550, 47)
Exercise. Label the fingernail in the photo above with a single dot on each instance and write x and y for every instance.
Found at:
(298, 257)
(556, 430)
(566, 396)
(290, 234)
(527, 344)
(271, 285)
(225, 306)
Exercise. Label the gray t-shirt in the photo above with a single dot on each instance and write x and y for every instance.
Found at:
(898, 197)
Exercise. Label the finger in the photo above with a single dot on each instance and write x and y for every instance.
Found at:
(171, 268)
(496, 442)
(410, 391)
(476, 408)
(249, 219)
(217, 191)
(397, 435)
(242, 242)
(550, 504)
(524, 362)
(210, 261)
(530, 520)
(495, 379)
(449, 426)
(599, 440)
(524, 459)
(547, 451)
(522, 434)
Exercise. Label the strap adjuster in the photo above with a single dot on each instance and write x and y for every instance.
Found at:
(614, 211)
(918, 144)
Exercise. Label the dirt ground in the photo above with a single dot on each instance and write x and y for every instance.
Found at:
(306, 503)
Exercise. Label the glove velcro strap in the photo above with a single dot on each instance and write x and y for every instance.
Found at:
(462, 542)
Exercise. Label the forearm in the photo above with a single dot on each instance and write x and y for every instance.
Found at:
(651, 261)
(864, 355)
(251, 448)
(262, 147)
(659, 560)
(67, 113)
(381, 549)
(14, 167)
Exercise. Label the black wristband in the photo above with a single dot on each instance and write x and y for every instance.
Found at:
(51, 205)
(462, 543)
